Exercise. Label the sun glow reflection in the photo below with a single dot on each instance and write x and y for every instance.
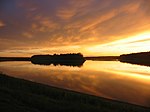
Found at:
(120, 70)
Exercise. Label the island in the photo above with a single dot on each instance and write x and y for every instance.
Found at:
(72, 59)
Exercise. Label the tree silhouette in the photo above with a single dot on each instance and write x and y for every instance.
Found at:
(71, 59)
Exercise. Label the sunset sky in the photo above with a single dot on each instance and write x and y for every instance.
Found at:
(92, 27)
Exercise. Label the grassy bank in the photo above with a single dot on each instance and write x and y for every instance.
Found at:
(17, 95)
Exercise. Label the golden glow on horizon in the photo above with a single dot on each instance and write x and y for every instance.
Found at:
(136, 43)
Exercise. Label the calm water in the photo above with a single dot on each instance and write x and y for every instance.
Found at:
(109, 79)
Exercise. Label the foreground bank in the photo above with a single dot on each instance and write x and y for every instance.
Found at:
(17, 95)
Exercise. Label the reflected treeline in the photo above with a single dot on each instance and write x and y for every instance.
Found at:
(71, 64)
(74, 59)
(142, 58)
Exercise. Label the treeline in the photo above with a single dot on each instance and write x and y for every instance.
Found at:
(142, 58)
(71, 59)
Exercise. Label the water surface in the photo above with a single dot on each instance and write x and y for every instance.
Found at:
(108, 79)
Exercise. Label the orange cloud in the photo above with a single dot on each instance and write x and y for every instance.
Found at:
(96, 21)
(66, 14)
(72, 9)
(44, 24)
(2, 24)
(28, 35)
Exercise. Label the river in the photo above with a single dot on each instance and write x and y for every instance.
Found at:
(108, 79)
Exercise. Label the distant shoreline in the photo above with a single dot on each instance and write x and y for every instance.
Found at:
(102, 58)
(142, 58)
(77, 59)
(22, 95)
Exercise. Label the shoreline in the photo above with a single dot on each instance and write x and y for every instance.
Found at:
(22, 95)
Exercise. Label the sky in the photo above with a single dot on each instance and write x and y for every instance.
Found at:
(92, 27)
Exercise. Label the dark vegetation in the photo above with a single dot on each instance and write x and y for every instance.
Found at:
(142, 58)
(103, 58)
(18, 95)
(62, 59)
